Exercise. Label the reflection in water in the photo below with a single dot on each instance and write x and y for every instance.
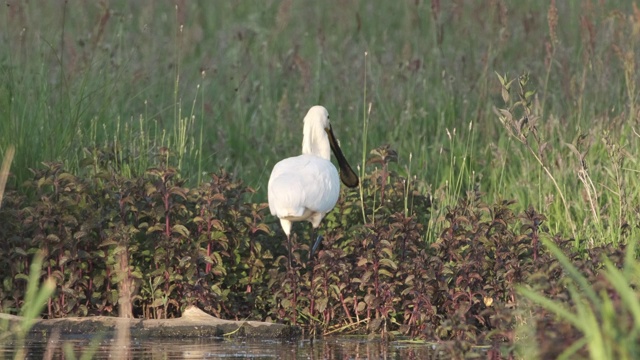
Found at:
(212, 348)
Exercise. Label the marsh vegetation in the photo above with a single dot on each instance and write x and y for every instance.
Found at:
(496, 142)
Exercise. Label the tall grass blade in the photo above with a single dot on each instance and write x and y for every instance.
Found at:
(623, 287)
(559, 309)
(4, 170)
(573, 272)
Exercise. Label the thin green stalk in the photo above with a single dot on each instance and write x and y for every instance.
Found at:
(365, 128)
(199, 155)
(407, 187)
(558, 189)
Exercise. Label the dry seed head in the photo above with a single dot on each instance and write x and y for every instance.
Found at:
(435, 9)
(636, 20)
(284, 14)
(552, 18)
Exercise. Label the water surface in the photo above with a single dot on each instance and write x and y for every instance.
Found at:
(215, 348)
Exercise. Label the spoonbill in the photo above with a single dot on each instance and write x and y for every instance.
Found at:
(307, 186)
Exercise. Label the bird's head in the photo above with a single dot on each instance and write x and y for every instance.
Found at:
(317, 116)
(319, 140)
(316, 125)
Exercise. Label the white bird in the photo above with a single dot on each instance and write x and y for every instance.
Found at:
(307, 187)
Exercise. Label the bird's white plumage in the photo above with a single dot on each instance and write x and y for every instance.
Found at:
(303, 184)
(306, 187)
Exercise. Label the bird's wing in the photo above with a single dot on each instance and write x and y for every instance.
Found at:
(303, 183)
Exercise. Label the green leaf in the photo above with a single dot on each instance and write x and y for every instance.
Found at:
(108, 242)
(157, 302)
(150, 189)
(53, 238)
(155, 228)
(98, 280)
(529, 94)
(366, 276)
(178, 191)
(217, 224)
(198, 219)
(409, 280)
(385, 272)
(387, 251)
(321, 304)
(335, 289)
(217, 235)
(113, 296)
(216, 290)
(180, 229)
(389, 263)
(136, 274)
(264, 228)
(502, 79)
(157, 281)
(22, 277)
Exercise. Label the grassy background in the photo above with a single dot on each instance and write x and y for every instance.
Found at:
(226, 84)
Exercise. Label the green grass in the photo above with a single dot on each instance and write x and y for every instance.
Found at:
(596, 312)
(226, 84)
(36, 297)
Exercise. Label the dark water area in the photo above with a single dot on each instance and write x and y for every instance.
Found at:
(217, 348)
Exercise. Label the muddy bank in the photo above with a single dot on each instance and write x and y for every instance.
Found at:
(193, 323)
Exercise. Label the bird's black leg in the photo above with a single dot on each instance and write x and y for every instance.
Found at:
(317, 242)
(289, 247)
